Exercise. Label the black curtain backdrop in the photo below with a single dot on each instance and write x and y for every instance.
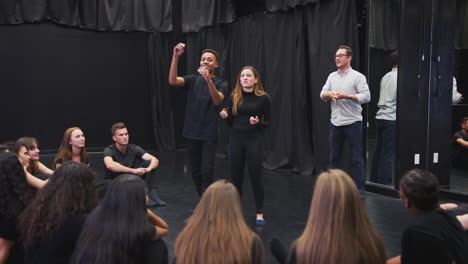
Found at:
(201, 13)
(294, 53)
(384, 17)
(54, 77)
(276, 5)
(104, 15)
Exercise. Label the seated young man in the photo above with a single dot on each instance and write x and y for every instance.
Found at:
(124, 158)
(460, 146)
(435, 235)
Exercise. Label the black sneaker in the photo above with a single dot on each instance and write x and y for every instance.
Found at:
(155, 198)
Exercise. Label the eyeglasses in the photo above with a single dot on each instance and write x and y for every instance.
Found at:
(340, 55)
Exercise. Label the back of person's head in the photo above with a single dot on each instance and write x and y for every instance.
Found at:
(123, 213)
(9, 145)
(70, 190)
(339, 222)
(421, 190)
(116, 126)
(216, 232)
(14, 189)
(4, 148)
(395, 57)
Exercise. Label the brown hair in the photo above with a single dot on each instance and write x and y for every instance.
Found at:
(28, 142)
(348, 49)
(116, 126)
(236, 94)
(65, 151)
(338, 230)
(216, 232)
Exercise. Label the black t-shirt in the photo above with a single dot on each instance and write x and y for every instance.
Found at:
(201, 115)
(459, 153)
(251, 106)
(61, 247)
(434, 237)
(8, 231)
(130, 158)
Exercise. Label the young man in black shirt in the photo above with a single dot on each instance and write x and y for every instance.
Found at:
(435, 235)
(124, 158)
(460, 146)
(205, 92)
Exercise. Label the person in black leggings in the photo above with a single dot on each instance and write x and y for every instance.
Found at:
(248, 113)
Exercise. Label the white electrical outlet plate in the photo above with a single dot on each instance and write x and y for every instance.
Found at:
(416, 159)
(436, 158)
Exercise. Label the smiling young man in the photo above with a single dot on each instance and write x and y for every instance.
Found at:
(347, 89)
(205, 92)
(124, 158)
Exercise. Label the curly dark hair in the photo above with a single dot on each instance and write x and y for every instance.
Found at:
(13, 187)
(70, 190)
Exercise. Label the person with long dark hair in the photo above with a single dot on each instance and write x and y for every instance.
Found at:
(36, 168)
(52, 222)
(248, 113)
(205, 92)
(15, 194)
(121, 229)
(216, 232)
(72, 148)
(338, 230)
(22, 153)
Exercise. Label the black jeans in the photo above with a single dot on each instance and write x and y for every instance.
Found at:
(247, 147)
(202, 160)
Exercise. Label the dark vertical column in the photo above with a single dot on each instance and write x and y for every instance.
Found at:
(440, 94)
(413, 86)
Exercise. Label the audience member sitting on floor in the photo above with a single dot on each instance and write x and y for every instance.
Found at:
(4, 148)
(23, 156)
(15, 193)
(51, 224)
(72, 148)
(435, 235)
(338, 230)
(124, 158)
(121, 229)
(7, 146)
(216, 232)
(35, 167)
(459, 156)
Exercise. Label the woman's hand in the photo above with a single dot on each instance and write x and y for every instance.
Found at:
(223, 113)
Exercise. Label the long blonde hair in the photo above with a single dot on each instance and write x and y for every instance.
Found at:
(338, 230)
(216, 232)
(236, 94)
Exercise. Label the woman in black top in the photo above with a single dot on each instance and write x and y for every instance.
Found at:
(15, 193)
(247, 113)
(72, 148)
(121, 229)
(51, 224)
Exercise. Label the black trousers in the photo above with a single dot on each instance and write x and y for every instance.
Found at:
(247, 147)
(202, 159)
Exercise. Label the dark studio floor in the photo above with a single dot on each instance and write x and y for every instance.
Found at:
(287, 200)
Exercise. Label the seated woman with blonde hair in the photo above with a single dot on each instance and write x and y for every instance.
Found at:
(338, 230)
(216, 232)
